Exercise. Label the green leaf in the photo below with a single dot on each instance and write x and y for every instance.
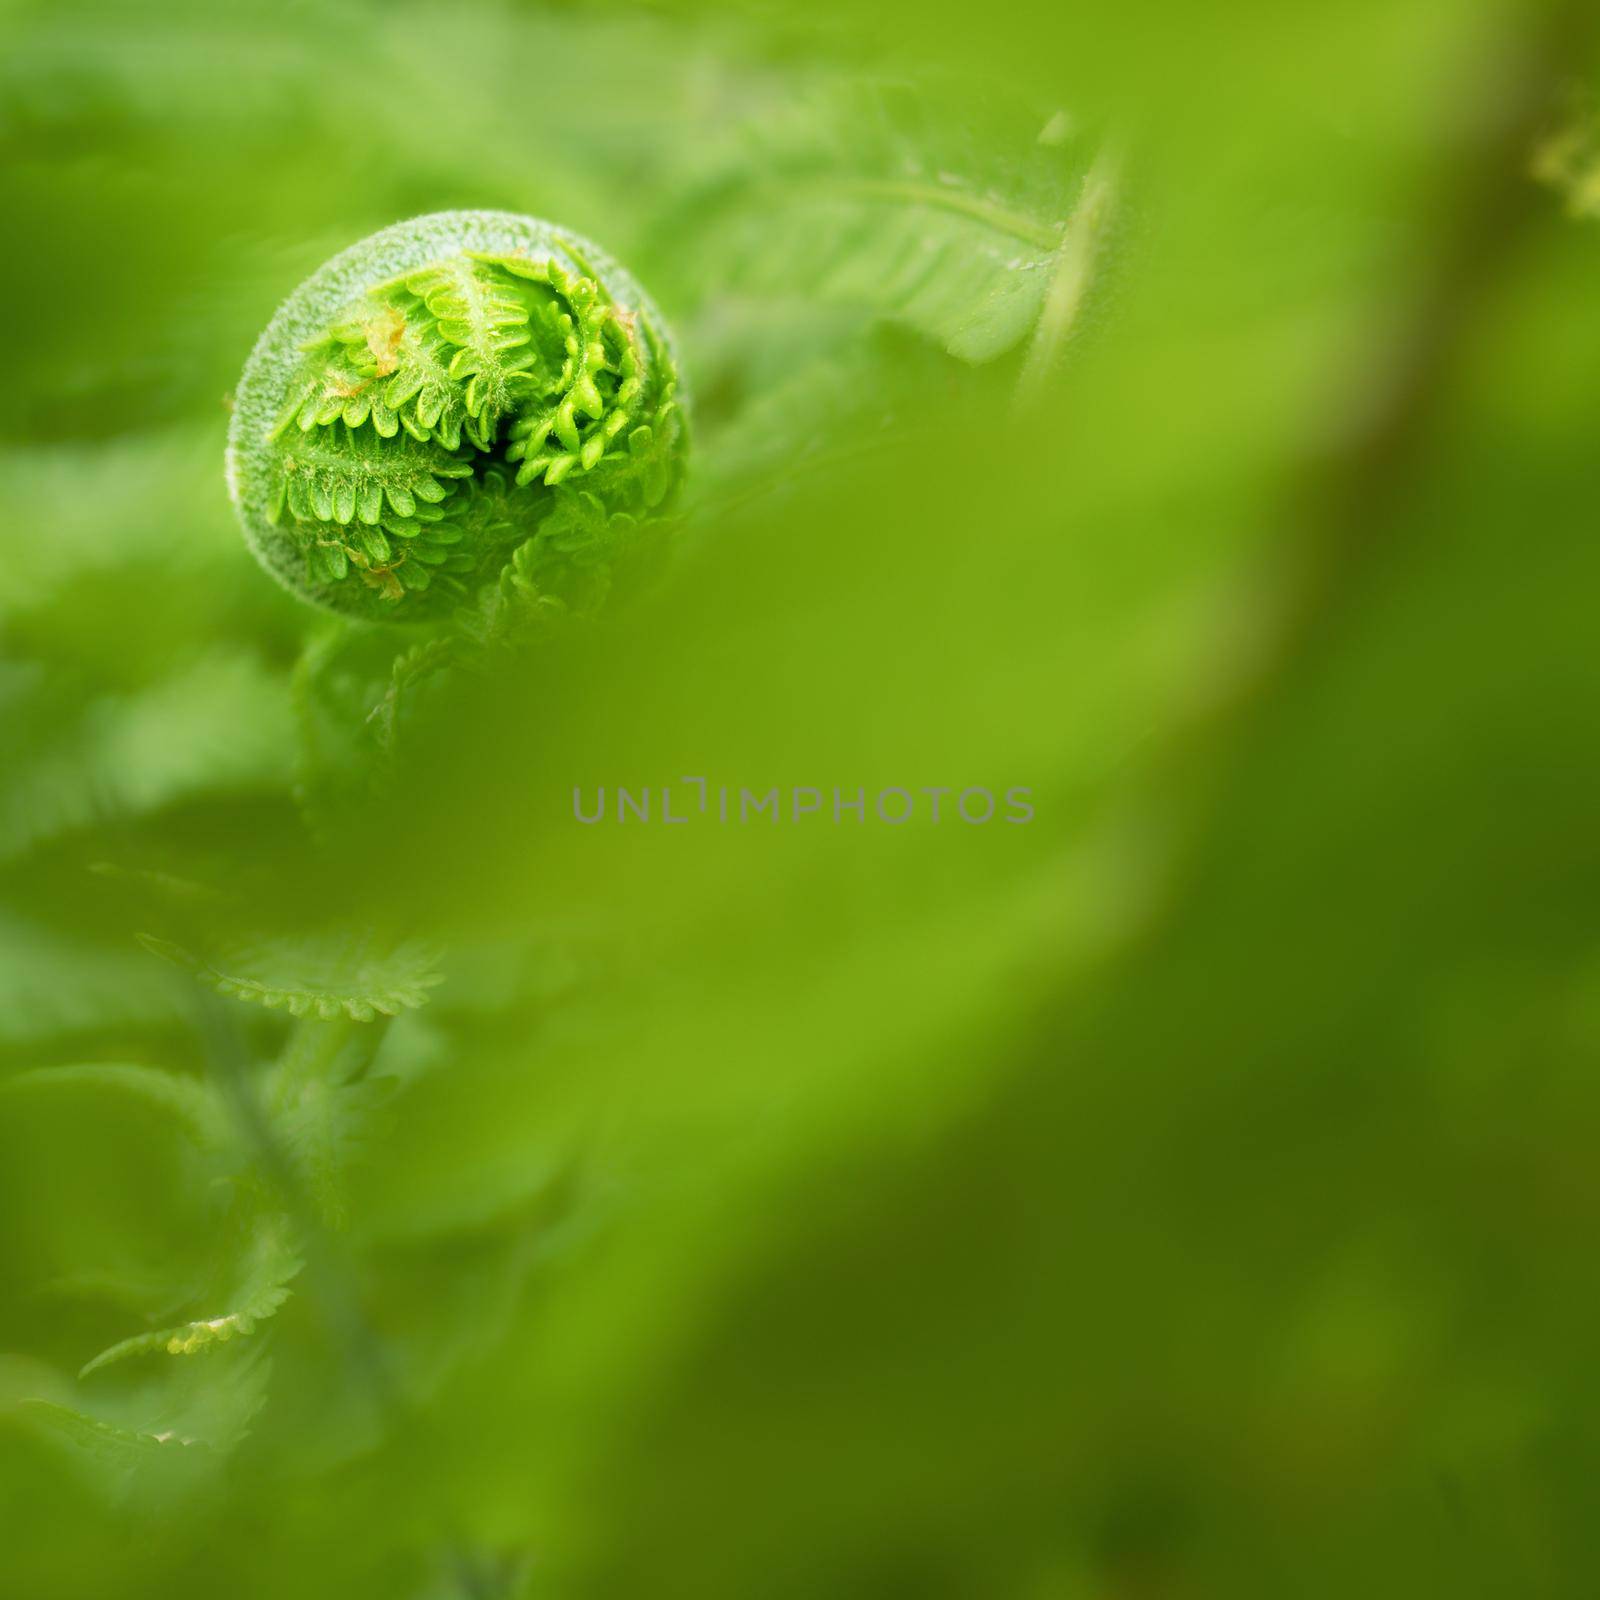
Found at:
(950, 222)
(122, 1449)
(261, 1287)
(593, 354)
(323, 1126)
(388, 365)
(219, 725)
(54, 985)
(190, 1102)
(326, 974)
(485, 322)
(346, 476)
(164, 1438)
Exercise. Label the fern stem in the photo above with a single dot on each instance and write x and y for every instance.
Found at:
(327, 1272)
(1070, 276)
(990, 212)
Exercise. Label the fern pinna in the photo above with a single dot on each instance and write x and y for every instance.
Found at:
(433, 403)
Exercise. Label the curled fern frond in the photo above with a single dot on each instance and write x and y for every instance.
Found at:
(418, 410)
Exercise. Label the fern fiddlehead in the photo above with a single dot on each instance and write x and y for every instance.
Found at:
(454, 397)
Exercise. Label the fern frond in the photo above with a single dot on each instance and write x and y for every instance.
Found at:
(218, 726)
(387, 363)
(261, 1287)
(346, 475)
(323, 1126)
(337, 389)
(365, 501)
(942, 216)
(52, 986)
(327, 975)
(485, 320)
(595, 379)
(419, 386)
(167, 1437)
(433, 355)
(190, 1102)
(107, 1443)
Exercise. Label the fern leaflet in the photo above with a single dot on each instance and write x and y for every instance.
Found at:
(260, 1289)
(486, 322)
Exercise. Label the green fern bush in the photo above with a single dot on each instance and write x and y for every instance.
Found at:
(444, 396)
(292, 1115)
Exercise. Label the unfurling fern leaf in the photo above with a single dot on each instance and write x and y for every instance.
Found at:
(379, 411)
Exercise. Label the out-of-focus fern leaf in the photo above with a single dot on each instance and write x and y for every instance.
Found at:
(322, 1110)
(160, 1440)
(338, 692)
(871, 196)
(1568, 161)
(805, 401)
(125, 1291)
(53, 985)
(464, 1574)
(314, 974)
(118, 1448)
(220, 726)
(323, 1127)
(192, 1103)
(261, 1286)
(113, 508)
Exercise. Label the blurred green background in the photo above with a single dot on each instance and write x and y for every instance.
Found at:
(1191, 1193)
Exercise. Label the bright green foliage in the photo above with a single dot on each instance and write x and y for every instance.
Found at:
(472, 420)
(414, 395)
(1187, 1194)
